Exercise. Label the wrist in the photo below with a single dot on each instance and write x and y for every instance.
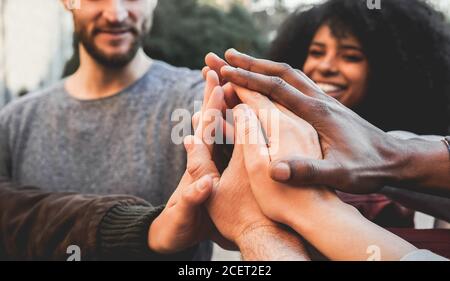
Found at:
(271, 242)
(424, 163)
(162, 238)
(340, 232)
(165, 247)
(312, 220)
(253, 230)
(395, 156)
(155, 243)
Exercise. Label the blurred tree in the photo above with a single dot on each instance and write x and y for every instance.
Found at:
(185, 31)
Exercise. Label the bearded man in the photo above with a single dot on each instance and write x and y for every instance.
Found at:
(107, 128)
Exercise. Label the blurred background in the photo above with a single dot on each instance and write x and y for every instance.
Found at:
(36, 45)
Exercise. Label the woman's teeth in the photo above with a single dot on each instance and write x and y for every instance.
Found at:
(328, 88)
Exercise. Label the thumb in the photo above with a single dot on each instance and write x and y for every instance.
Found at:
(196, 194)
(303, 171)
(199, 158)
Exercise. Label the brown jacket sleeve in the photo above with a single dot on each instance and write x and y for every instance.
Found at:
(36, 225)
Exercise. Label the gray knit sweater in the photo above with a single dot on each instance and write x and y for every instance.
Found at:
(117, 145)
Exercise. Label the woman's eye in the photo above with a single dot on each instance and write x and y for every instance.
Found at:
(353, 58)
(316, 53)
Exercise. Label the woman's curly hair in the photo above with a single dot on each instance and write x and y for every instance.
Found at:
(407, 44)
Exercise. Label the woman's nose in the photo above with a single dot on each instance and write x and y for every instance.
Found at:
(328, 66)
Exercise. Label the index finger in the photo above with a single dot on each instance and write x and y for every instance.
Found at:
(275, 88)
(294, 77)
(215, 63)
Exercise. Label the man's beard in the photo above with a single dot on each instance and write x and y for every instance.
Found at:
(109, 61)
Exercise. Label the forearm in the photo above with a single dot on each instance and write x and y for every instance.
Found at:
(37, 225)
(41, 225)
(430, 204)
(426, 167)
(272, 243)
(340, 232)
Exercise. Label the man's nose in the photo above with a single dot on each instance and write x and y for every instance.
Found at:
(116, 11)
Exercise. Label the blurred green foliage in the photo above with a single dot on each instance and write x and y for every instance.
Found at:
(185, 31)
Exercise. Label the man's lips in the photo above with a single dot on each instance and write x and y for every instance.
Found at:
(114, 33)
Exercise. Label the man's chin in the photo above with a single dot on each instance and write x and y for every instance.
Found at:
(113, 58)
(116, 55)
(114, 51)
(110, 55)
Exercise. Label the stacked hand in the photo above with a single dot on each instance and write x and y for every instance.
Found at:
(300, 199)
(292, 146)
(185, 220)
(206, 201)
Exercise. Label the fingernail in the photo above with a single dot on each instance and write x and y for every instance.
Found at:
(281, 171)
(212, 74)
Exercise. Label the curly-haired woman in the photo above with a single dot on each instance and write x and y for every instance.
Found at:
(390, 65)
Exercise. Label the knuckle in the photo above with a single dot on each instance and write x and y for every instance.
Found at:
(251, 64)
(277, 84)
(302, 173)
(310, 172)
(285, 69)
(248, 76)
(277, 81)
(188, 196)
(195, 168)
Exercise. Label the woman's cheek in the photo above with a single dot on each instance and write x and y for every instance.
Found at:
(358, 83)
(309, 66)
